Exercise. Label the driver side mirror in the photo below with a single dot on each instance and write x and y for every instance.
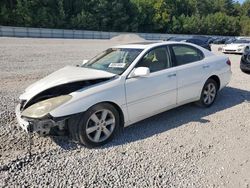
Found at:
(140, 72)
(84, 61)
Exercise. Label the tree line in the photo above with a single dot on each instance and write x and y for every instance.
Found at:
(212, 17)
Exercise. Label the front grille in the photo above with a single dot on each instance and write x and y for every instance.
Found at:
(230, 50)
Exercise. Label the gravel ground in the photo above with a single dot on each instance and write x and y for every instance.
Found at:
(184, 147)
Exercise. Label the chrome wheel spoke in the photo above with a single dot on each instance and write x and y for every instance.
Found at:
(212, 95)
(97, 135)
(209, 99)
(212, 90)
(110, 121)
(206, 99)
(94, 118)
(210, 87)
(106, 131)
(91, 129)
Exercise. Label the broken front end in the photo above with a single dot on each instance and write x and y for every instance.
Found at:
(34, 115)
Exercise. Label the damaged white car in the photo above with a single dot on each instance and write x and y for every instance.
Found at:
(121, 86)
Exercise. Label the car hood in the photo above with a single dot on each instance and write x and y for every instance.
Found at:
(68, 74)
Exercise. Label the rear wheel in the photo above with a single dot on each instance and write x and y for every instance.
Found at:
(96, 126)
(209, 93)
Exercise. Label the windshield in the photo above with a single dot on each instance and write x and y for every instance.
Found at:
(114, 60)
(241, 41)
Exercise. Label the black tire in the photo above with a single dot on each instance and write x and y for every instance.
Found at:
(202, 102)
(245, 71)
(78, 125)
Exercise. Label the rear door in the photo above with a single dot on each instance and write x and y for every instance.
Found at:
(192, 69)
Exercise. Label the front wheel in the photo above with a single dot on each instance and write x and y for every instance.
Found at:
(209, 93)
(96, 126)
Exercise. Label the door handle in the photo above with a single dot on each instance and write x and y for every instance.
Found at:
(205, 66)
(171, 75)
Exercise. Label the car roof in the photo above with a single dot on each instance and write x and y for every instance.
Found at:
(145, 45)
(149, 45)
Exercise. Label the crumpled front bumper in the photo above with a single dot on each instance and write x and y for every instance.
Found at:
(41, 126)
(25, 125)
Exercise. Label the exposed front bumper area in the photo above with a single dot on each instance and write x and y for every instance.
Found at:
(25, 125)
(40, 126)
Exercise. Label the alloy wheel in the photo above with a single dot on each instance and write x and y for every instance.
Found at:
(100, 125)
(209, 93)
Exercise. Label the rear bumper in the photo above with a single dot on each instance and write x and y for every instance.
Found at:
(225, 78)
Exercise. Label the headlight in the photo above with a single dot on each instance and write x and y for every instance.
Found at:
(42, 108)
(240, 46)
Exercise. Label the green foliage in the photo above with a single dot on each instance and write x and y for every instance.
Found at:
(215, 17)
(245, 25)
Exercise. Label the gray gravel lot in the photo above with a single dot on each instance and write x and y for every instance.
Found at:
(184, 147)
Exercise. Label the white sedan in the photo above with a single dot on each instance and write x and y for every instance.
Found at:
(121, 86)
(238, 46)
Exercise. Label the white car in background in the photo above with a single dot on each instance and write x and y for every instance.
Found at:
(121, 86)
(238, 46)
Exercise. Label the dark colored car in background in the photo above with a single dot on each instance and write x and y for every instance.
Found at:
(245, 61)
(205, 39)
(199, 42)
(220, 40)
(178, 39)
(202, 41)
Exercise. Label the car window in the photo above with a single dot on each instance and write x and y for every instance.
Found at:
(114, 60)
(185, 54)
(156, 60)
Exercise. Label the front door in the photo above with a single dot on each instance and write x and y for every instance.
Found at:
(149, 95)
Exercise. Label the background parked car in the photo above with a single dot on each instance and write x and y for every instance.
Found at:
(204, 44)
(205, 39)
(245, 61)
(237, 47)
(202, 41)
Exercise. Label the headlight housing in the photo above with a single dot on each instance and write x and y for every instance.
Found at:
(40, 109)
(240, 46)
